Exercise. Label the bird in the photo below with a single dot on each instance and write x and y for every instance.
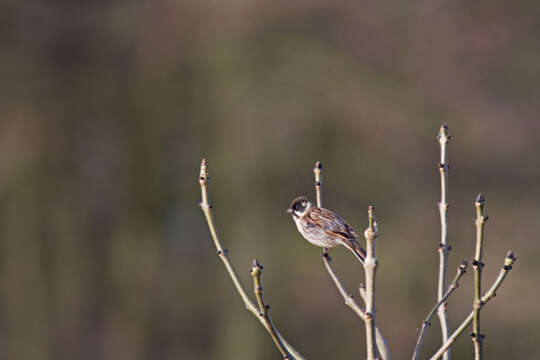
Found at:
(324, 228)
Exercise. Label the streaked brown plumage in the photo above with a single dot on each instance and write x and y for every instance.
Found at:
(323, 227)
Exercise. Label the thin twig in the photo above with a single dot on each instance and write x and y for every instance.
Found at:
(461, 270)
(256, 272)
(317, 170)
(508, 262)
(370, 267)
(222, 253)
(444, 248)
(478, 265)
(349, 299)
(350, 302)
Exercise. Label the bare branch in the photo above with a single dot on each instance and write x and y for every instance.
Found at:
(444, 248)
(508, 262)
(256, 272)
(317, 170)
(222, 253)
(478, 266)
(350, 302)
(370, 267)
(461, 270)
(349, 299)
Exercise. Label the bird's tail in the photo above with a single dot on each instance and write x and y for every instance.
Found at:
(357, 250)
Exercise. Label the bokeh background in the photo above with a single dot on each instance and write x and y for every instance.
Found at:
(107, 108)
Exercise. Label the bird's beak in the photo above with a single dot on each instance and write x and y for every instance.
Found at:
(289, 211)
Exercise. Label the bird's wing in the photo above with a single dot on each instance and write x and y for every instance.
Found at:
(331, 223)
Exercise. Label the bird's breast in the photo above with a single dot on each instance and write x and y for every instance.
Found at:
(315, 234)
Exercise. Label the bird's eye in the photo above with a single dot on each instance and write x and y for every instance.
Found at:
(303, 203)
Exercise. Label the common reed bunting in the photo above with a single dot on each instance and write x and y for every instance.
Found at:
(324, 228)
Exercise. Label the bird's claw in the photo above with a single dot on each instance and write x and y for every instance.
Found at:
(326, 255)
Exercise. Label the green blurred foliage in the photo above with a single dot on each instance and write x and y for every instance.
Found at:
(108, 107)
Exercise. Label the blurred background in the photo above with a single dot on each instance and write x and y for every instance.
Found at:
(108, 107)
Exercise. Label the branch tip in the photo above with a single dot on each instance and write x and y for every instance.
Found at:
(256, 268)
(317, 171)
(480, 199)
(443, 133)
(372, 222)
(256, 264)
(204, 172)
(508, 262)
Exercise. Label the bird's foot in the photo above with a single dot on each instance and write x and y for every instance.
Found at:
(326, 255)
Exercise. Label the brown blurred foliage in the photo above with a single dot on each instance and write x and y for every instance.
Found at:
(108, 106)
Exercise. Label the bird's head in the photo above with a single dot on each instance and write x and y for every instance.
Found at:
(299, 206)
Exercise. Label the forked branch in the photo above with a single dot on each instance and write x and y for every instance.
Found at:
(222, 253)
(375, 343)
(382, 346)
(507, 266)
(461, 270)
(256, 272)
